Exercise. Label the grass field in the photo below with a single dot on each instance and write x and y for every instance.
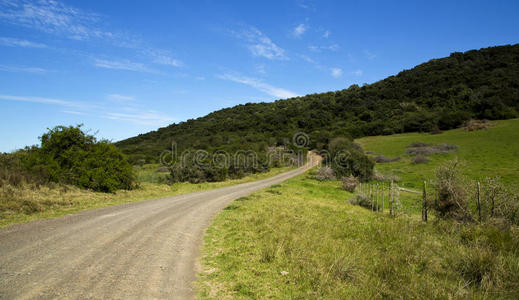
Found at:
(28, 202)
(303, 240)
(492, 152)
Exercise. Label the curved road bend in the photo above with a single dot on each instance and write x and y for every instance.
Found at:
(140, 250)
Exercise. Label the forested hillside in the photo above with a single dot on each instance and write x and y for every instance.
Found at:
(436, 95)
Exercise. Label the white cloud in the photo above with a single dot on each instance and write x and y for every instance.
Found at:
(260, 85)
(326, 34)
(357, 72)
(135, 114)
(336, 72)
(57, 18)
(332, 47)
(150, 118)
(53, 17)
(123, 65)
(12, 42)
(120, 98)
(261, 69)
(168, 61)
(299, 30)
(259, 44)
(23, 69)
(308, 59)
(73, 112)
(43, 100)
(163, 57)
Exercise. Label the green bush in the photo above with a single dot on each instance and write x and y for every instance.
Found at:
(348, 159)
(453, 194)
(68, 155)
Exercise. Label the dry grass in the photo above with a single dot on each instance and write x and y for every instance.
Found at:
(24, 202)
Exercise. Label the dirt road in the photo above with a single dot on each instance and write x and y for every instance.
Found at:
(142, 250)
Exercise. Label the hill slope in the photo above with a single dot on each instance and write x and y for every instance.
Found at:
(484, 153)
(439, 94)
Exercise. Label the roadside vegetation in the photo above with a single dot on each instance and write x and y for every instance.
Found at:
(67, 155)
(72, 171)
(315, 236)
(302, 239)
(26, 202)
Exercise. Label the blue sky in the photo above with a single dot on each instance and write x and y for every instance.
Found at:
(127, 67)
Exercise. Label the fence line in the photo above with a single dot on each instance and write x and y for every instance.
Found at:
(376, 193)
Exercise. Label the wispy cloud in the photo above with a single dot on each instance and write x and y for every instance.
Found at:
(259, 44)
(336, 72)
(123, 65)
(73, 112)
(326, 34)
(150, 118)
(53, 17)
(163, 57)
(332, 47)
(12, 42)
(23, 69)
(260, 85)
(357, 72)
(168, 61)
(299, 30)
(134, 113)
(261, 69)
(120, 98)
(307, 59)
(57, 18)
(50, 101)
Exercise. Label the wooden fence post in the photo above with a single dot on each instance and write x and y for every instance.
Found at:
(383, 185)
(424, 202)
(376, 197)
(371, 197)
(479, 201)
(391, 198)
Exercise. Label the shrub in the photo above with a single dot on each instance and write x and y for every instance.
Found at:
(499, 202)
(419, 159)
(384, 159)
(477, 266)
(348, 158)
(349, 183)
(377, 176)
(325, 173)
(361, 200)
(452, 192)
(418, 145)
(163, 169)
(420, 148)
(472, 125)
(68, 155)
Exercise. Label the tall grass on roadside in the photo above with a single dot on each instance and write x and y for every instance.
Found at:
(306, 242)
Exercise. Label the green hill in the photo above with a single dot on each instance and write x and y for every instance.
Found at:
(484, 153)
(437, 95)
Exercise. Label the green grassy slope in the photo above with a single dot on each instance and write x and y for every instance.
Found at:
(492, 152)
(302, 240)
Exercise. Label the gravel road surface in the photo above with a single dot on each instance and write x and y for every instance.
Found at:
(142, 250)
